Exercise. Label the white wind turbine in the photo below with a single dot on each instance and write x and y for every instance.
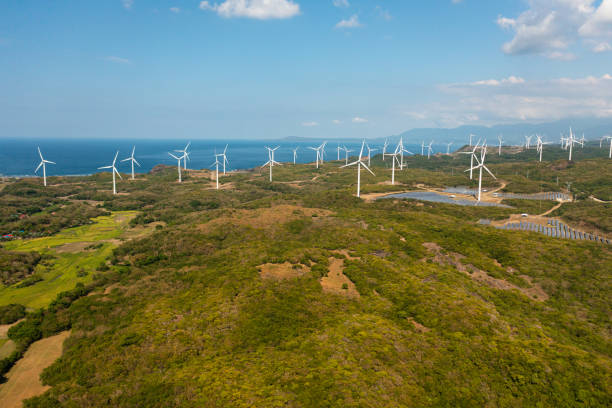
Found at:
(179, 158)
(370, 150)
(216, 165)
(384, 149)
(185, 155)
(610, 138)
(528, 141)
(318, 150)
(346, 155)
(394, 160)
(323, 145)
(113, 171)
(133, 160)
(295, 154)
(401, 150)
(471, 136)
(423, 147)
(448, 146)
(359, 164)
(500, 139)
(338, 150)
(271, 162)
(43, 164)
(472, 156)
(224, 158)
(429, 149)
(570, 143)
(480, 166)
(540, 146)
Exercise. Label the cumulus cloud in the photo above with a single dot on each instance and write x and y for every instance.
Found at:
(550, 27)
(127, 4)
(511, 100)
(257, 9)
(602, 47)
(341, 3)
(352, 22)
(310, 124)
(175, 10)
(336, 122)
(117, 60)
(357, 119)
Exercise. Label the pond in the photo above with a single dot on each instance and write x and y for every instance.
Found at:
(441, 198)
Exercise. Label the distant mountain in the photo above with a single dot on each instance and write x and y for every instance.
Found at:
(593, 128)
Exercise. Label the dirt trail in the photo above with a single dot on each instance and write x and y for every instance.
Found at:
(24, 378)
(544, 214)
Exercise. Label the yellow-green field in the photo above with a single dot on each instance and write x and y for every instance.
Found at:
(70, 256)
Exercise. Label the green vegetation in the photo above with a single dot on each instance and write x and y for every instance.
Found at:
(449, 312)
(11, 313)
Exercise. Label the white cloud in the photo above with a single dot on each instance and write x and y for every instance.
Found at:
(384, 13)
(602, 47)
(352, 22)
(341, 3)
(336, 122)
(495, 82)
(310, 124)
(508, 101)
(550, 27)
(127, 4)
(175, 10)
(357, 119)
(257, 9)
(117, 60)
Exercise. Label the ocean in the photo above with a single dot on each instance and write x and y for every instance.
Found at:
(19, 157)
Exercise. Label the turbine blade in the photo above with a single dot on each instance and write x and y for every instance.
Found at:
(367, 168)
(39, 153)
(105, 167)
(39, 166)
(173, 156)
(350, 164)
(135, 161)
(489, 171)
(49, 161)
(115, 170)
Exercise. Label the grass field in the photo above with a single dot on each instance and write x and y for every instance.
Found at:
(70, 257)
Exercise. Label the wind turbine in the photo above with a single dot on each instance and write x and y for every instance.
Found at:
(472, 156)
(271, 162)
(322, 147)
(394, 160)
(448, 145)
(384, 149)
(133, 160)
(540, 146)
(216, 164)
(185, 154)
(179, 158)
(295, 154)
(500, 139)
(370, 150)
(318, 150)
(480, 166)
(471, 136)
(605, 138)
(359, 163)
(346, 155)
(225, 161)
(43, 164)
(423, 147)
(338, 149)
(429, 149)
(113, 171)
(528, 141)
(570, 141)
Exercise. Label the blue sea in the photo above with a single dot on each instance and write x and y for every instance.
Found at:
(19, 157)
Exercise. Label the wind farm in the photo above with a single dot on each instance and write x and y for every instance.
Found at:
(282, 203)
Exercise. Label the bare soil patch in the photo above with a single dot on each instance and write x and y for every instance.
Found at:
(72, 247)
(337, 282)
(282, 271)
(535, 292)
(5, 327)
(7, 348)
(24, 378)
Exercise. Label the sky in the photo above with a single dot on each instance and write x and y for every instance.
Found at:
(265, 69)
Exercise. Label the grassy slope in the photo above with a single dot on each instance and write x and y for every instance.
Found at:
(190, 322)
(61, 274)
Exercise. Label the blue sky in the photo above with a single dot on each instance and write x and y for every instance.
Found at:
(318, 68)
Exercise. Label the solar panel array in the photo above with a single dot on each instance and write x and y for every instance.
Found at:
(539, 196)
(554, 229)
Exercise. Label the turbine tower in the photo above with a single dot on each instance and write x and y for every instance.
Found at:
(346, 155)
(319, 154)
(271, 162)
(43, 164)
(471, 136)
(480, 166)
(500, 139)
(370, 150)
(113, 171)
(606, 138)
(429, 149)
(179, 158)
(384, 149)
(570, 143)
(359, 164)
(540, 146)
(295, 154)
(216, 165)
(448, 145)
(224, 156)
(133, 160)
(472, 156)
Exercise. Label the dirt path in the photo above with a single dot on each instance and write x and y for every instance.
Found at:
(336, 281)
(544, 214)
(24, 378)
